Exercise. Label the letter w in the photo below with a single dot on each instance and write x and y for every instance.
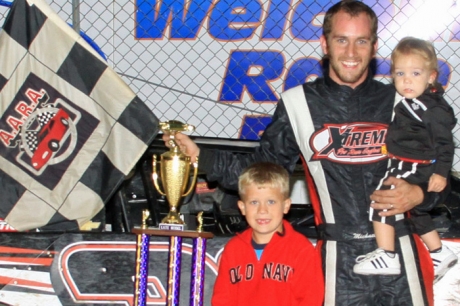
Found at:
(184, 18)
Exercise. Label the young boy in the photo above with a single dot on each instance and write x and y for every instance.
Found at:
(269, 263)
(420, 150)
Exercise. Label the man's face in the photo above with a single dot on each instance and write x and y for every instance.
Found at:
(349, 48)
(411, 75)
(264, 208)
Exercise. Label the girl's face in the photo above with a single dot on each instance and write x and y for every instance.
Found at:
(411, 75)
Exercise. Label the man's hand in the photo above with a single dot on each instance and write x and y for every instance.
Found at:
(186, 145)
(401, 198)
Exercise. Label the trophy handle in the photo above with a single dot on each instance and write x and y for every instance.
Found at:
(195, 176)
(155, 175)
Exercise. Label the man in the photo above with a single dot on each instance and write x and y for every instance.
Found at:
(339, 130)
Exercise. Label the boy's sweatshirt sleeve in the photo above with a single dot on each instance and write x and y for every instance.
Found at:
(222, 294)
(309, 279)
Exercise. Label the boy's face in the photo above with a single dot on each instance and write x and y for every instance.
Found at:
(411, 76)
(264, 207)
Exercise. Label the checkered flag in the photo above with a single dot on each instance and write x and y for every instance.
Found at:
(44, 118)
(75, 152)
(31, 140)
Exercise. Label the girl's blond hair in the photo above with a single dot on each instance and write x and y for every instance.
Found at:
(412, 45)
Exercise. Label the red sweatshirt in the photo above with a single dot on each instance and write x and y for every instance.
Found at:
(288, 273)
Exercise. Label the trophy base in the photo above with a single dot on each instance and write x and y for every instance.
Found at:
(172, 218)
(172, 227)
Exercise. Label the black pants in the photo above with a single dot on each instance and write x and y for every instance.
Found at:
(413, 173)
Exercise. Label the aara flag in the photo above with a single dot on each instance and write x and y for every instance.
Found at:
(70, 128)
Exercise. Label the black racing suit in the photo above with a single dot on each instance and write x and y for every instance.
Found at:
(346, 165)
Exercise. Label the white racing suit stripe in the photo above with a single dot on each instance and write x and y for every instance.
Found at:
(411, 271)
(330, 274)
(299, 113)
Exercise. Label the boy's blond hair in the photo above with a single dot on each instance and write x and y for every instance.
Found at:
(265, 173)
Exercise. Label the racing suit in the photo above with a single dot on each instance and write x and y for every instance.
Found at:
(343, 154)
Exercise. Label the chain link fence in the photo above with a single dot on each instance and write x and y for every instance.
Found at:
(221, 65)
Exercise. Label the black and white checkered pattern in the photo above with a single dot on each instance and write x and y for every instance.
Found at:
(31, 140)
(43, 118)
(40, 47)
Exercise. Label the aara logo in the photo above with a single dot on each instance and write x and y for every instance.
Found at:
(48, 135)
(349, 143)
(41, 129)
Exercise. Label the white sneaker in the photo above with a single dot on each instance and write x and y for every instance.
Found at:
(377, 262)
(442, 262)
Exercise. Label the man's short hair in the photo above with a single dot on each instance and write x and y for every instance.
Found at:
(265, 173)
(352, 8)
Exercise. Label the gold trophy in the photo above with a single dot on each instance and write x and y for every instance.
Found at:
(174, 174)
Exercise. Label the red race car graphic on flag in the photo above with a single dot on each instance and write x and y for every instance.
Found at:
(49, 138)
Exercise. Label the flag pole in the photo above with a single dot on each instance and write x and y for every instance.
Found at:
(76, 15)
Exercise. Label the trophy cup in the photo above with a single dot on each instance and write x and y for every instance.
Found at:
(174, 175)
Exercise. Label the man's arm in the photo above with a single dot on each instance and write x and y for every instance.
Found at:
(398, 200)
(278, 144)
(404, 196)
